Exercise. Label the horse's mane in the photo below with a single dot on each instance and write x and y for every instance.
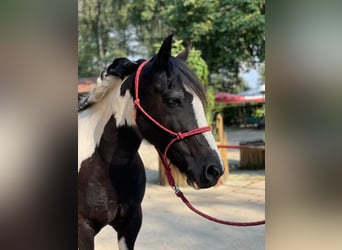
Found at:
(177, 68)
(100, 89)
(113, 76)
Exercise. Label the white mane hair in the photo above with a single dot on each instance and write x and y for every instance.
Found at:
(107, 102)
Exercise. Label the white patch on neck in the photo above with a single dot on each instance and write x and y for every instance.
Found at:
(202, 121)
(122, 244)
(91, 122)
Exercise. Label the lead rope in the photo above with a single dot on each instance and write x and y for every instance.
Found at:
(181, 195)
(177, 137)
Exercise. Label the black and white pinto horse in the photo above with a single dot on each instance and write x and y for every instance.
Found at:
(111, 179)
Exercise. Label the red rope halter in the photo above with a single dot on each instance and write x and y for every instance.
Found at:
(177, 137)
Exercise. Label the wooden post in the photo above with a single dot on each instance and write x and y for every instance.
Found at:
(222, 139)
(253, 158)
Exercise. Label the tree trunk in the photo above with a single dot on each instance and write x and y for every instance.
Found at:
(99, 34)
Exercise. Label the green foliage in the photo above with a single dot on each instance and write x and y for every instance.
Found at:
(259, 112)
(147, 18)
(102, 34)
(235, 115)
(228, 32)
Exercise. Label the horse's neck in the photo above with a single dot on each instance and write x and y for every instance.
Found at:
(128, 139)
(127, 145)
(118, 145)
(117, 103)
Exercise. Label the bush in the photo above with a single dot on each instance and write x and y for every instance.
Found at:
(236, 114)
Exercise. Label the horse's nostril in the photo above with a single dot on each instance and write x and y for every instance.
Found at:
(212, 172)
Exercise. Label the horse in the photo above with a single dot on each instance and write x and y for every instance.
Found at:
(147, 99)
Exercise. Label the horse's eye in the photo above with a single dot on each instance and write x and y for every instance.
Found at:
(173, 101)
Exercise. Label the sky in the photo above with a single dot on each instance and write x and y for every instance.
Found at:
(251, 78)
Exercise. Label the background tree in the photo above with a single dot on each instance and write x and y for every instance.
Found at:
(102, 34)
(147, 18)
(230, 33)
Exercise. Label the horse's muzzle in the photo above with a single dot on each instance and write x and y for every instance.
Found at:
(207, 178)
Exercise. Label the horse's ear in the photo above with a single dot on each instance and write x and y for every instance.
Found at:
(164, 52)
(185, 53)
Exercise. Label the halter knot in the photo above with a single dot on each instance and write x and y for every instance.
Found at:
(137, 102)
(180, 136)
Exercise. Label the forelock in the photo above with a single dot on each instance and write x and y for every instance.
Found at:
(179, 69)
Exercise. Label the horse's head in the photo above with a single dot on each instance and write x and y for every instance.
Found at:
(172, 94)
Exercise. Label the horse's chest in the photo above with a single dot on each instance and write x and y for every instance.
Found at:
(96, 196)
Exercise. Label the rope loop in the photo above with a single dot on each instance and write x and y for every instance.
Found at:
(137, 102)
(180, 136)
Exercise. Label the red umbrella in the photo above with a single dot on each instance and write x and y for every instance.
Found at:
(254, 98)
(224, 97)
